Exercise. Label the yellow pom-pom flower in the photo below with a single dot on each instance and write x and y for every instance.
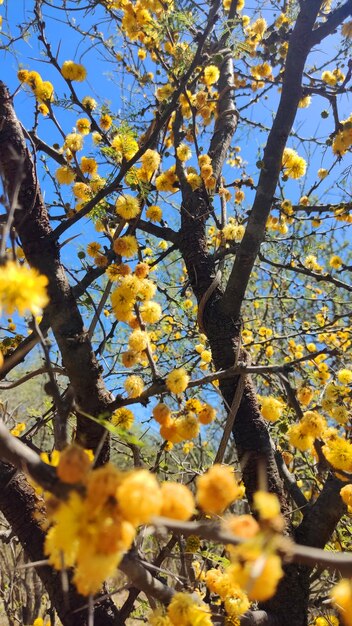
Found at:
(127, 207)
(211, 75)
(73, 71)
(216, 489)
(177, 501)
(22, 289)
(177, 380)
(134, 386)
(139, 497)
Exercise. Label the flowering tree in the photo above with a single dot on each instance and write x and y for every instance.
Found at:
(174, 242)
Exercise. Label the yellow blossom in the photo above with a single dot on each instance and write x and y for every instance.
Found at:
(216, 489)
(73, 71)
(177, 380)
(22, 289)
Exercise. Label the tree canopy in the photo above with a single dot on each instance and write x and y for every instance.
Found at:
(175, 271)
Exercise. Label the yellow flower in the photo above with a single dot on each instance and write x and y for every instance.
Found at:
(139, 497)
(123, 418)
(83, 126)
(207, 414)
(134, 386)
(183, 610)
(89, 166)
(127, 207)
(161, 413)
(138, 340)
(335, 261)
(125, 146)
(105, 121)
(346, 495)
(299, 438)
(73, 142)
(74, 464)
(154, 213)
(126, 246)
(341, 596)
(89, 103)
(260, 579)
(150, 161)
(19, 428)
(329, 78)
(216, 489)
(177, 501)
(150, 312)
(177, 380)
(81, 191)
(344, 376)
(188, 426)
(271, 408)
(44, 92)
(22, 288)
(73, 71)
(183, 152)
(267, 505)
(65, 175)
(33, 79)
(211, 75)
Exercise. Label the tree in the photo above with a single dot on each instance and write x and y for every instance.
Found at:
(213, 304)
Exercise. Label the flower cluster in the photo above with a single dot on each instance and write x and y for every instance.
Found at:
(93, 527)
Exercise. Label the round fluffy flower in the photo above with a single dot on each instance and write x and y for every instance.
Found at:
(134, 386)
(139, 497)
(74, 464)
(83, 126)
(89, 166)
(44, 92)
(216, 489)
(271, 408)
(22, 288)
(127, 207)
(178, 501)
(344, 376)
(341, 595)
(207, 414)
(138, 340)
(267, 505)
(81, 191)
(161, 413)
(73, 142)
(154, 213)
(150, 160)
(122, 417)
(188, 426)
(105, 121)
(335, 261)
(183, 610)
(346, 495)
(211, 75)
(183, 152)
(126, 246)
(299, 438)
(73, 71)
(260, 582)
(150, 312)
(89, 103)
(177, 380)
(65, 175)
